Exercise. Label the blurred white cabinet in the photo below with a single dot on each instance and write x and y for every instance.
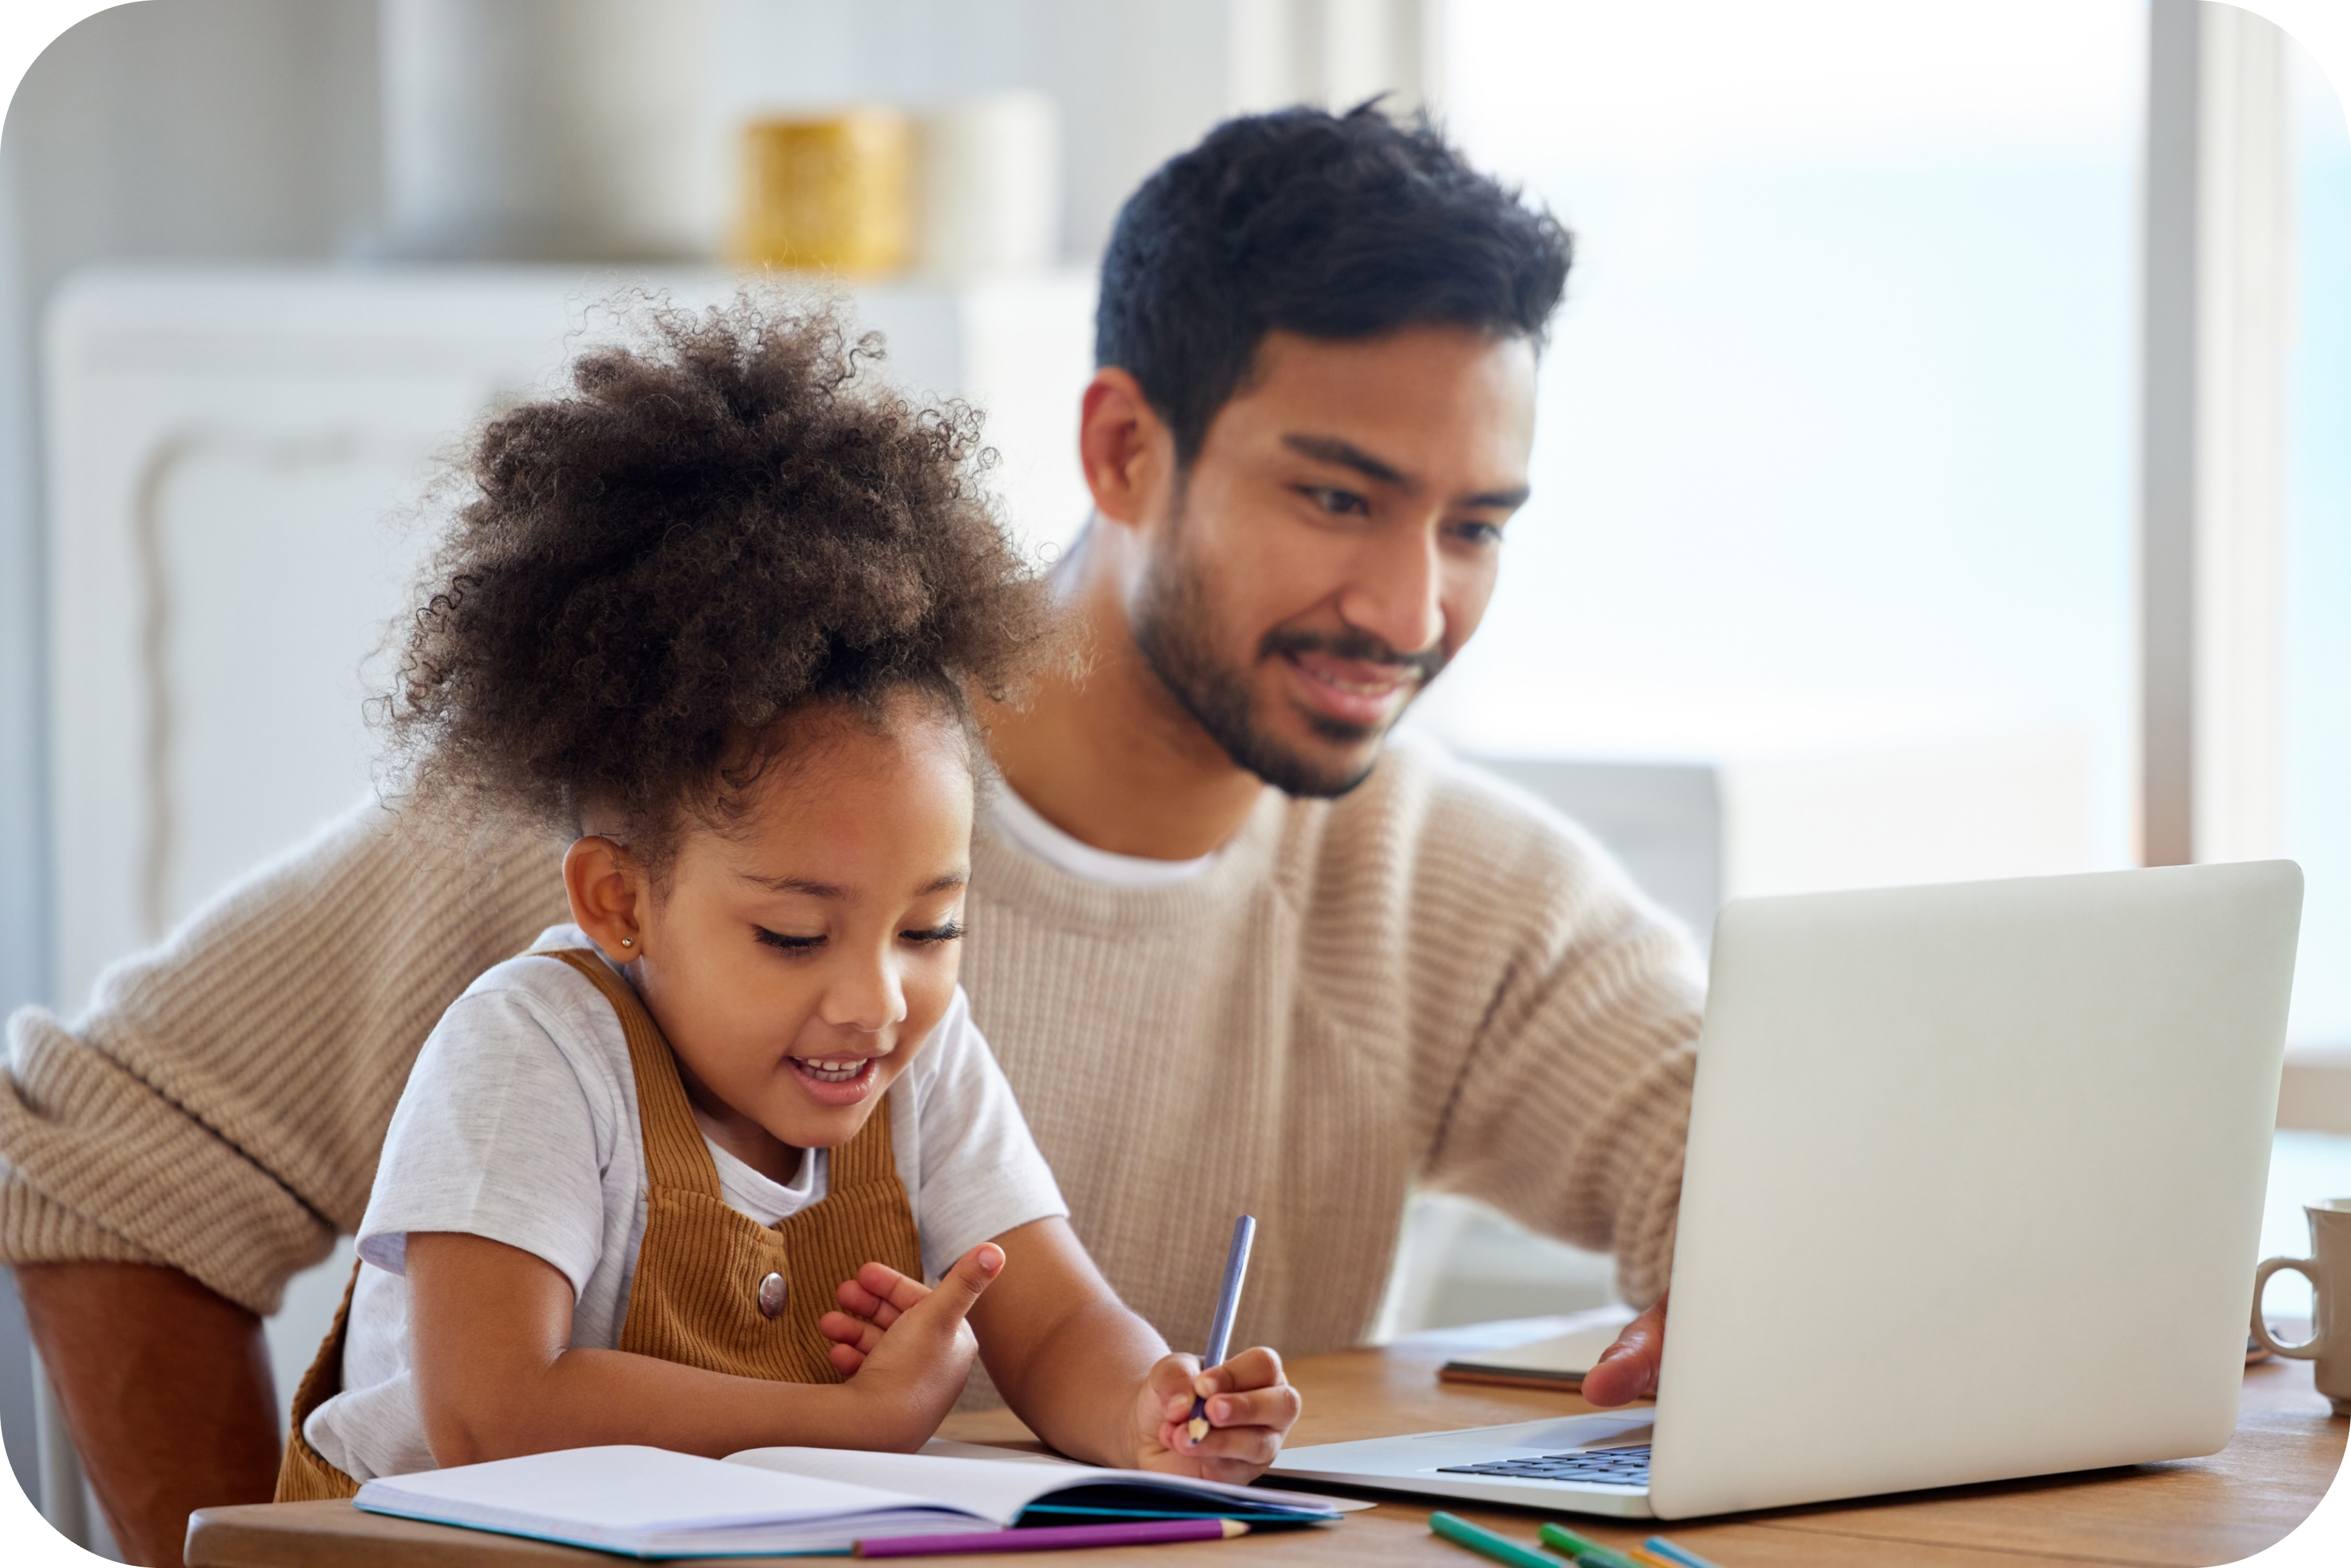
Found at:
(237, 470)
(238, 465)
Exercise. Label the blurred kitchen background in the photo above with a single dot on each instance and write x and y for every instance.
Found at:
(1944, 472)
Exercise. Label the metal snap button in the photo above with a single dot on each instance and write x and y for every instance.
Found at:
(773, 1292)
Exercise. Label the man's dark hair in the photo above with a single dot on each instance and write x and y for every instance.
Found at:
(1336, 226)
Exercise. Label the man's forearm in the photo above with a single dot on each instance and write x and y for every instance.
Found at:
(166, 1389)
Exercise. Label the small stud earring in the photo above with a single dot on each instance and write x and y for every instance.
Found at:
(628, 941)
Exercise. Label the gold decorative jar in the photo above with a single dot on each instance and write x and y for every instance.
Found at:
(832, 193)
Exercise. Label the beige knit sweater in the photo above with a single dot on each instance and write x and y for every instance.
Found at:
(1432, 978)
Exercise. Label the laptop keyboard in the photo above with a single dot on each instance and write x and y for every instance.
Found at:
(1611, 1467)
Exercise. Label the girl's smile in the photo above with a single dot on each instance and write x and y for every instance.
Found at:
(835, 1081)
(798, 949)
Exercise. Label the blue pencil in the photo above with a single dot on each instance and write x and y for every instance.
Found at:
(1673, 1554)
(1220, 1332)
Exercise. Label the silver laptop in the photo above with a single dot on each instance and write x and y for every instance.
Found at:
(1993, 1153)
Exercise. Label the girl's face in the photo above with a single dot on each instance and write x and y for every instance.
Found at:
(798, 961)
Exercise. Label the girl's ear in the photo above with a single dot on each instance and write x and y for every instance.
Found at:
(607, 887)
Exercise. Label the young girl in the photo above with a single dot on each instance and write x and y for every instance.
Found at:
(676, 1175)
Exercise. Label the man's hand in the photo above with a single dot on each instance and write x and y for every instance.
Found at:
(1627, 1370)
(1250, 1408)
(166, 1389)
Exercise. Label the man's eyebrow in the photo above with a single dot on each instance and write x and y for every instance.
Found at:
(1347, 455)
(795, 885)
(1508, 500)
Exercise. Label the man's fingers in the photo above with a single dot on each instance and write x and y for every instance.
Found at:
(1627, 1370)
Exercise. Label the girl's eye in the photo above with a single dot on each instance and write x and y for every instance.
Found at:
(788, 944)
(950, 932)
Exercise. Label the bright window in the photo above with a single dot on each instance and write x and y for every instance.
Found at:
(2319, 562)
(1834, 476)
(1835, 472)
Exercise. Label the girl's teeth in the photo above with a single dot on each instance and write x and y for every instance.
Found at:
(831, 1072)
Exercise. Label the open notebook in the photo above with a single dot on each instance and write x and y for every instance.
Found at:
(650, 1503)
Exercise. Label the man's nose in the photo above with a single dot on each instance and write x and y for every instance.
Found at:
(1397, 592)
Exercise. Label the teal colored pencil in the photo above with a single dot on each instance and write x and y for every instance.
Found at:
(1673, 1554)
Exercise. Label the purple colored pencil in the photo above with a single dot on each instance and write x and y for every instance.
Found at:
(1054, 1538)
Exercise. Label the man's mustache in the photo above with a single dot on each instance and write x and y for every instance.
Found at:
(1362, 645)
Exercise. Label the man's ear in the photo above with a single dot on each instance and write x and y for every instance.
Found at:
(608, 892)
(1127, 450)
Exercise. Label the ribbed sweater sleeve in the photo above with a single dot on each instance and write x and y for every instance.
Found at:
(1563, 1098)
(221, 1105)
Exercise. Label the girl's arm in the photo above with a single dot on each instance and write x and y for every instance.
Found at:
(496, 1375)
(1080, 1368)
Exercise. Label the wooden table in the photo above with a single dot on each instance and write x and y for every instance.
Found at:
(2191, 1513)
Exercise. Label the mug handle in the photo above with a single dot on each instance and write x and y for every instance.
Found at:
(2309, 1349)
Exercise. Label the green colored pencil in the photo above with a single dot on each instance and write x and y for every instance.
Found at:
(1501, 1548)
(1587, 1554)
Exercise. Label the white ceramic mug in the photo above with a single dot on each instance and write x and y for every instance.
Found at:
(2328, 1269)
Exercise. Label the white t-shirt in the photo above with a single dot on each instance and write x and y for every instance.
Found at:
(1030, 833)
(519, 1124)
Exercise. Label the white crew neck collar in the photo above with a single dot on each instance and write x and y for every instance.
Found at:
(1020, 825)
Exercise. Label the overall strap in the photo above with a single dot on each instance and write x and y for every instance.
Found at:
(713, 1287)
(303, 1473)
(675, 1154)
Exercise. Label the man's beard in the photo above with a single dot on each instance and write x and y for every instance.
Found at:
(1175, 628)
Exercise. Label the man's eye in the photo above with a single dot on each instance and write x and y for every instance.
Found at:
(950, 932)
(1482, 535)
(788, 944)
(1339, 503)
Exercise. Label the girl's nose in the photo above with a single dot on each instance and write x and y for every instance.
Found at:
(867, 998)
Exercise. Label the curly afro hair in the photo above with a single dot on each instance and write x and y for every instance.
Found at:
(722, 522)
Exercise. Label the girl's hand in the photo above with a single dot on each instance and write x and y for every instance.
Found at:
(908, 1346)
(871, 1304)
(1251, 1408)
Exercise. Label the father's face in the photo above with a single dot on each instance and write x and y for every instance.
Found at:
(1335, 542)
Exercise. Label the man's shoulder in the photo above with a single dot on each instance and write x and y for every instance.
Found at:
(1428, 808)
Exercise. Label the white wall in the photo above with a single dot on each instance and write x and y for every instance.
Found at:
(195, 128)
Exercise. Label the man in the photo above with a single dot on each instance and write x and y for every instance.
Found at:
(1206, 885)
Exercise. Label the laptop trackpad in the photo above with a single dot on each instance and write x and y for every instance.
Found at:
(1557, 1436)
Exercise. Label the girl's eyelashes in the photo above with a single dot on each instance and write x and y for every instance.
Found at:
(950, 932)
